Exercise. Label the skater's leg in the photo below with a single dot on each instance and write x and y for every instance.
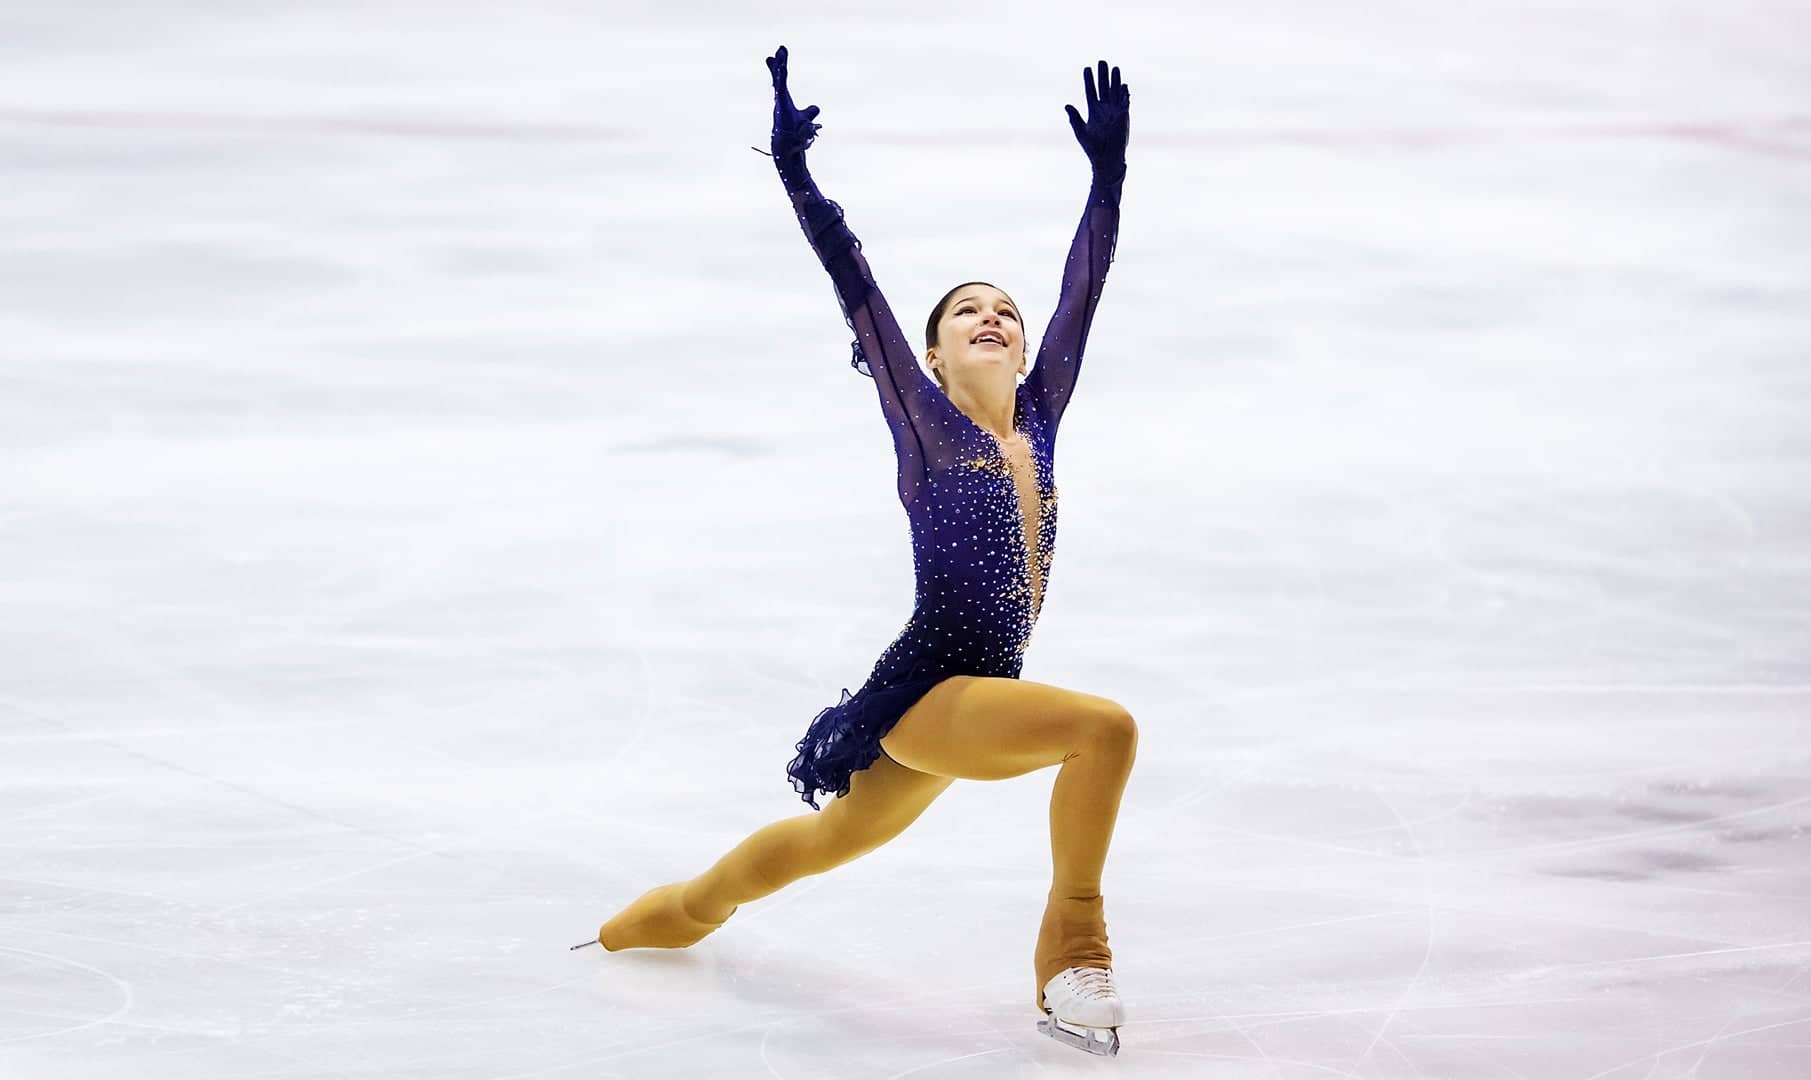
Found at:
(976, 728)
(883, 799)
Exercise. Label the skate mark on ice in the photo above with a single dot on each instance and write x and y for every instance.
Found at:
(947, 1061)
(910, 1003)
(1427, 947)
(1233, 1059)
(1696, 1043)
(124, 987)
(767, 1064)
(1267, 931)
(1639, 834)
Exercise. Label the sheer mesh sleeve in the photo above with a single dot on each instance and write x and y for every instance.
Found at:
(908, 398)
(1060, 352)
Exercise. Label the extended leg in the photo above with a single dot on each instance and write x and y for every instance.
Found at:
(883, 799)
(976, 728)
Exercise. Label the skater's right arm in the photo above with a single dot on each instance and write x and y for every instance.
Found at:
(881, 350)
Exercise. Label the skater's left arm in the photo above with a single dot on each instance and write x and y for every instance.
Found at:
(1103, 136)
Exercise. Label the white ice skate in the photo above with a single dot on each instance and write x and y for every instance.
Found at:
(1085, 1010)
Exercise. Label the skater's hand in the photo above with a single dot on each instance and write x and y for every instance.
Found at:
(1104, 134)
(792, 128)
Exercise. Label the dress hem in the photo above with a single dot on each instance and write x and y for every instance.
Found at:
(845, 738)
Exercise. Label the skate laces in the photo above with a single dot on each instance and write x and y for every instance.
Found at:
(1094, 982)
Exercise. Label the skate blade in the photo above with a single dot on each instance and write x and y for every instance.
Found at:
(1082, 1038)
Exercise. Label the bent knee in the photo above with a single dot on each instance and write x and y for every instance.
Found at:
(1110, 725)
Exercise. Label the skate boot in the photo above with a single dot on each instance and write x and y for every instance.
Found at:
(1074, 975)
(1085, 1010)
(658, 920)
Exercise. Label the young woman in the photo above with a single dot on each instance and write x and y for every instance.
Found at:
(945, 702)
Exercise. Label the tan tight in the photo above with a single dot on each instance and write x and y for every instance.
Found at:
(965, 728)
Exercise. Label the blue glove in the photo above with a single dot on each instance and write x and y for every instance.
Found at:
(792, 128)
(1103, 135)
(829, 235)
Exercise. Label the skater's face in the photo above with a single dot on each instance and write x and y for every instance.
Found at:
(979, 332)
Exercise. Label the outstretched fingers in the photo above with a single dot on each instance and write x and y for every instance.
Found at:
(793, 128)
(1103, 133)
(776, 67)
(1102, 90)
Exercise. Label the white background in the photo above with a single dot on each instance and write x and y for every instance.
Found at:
(434, 498)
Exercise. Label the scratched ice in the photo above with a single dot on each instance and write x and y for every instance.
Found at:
(434, 497)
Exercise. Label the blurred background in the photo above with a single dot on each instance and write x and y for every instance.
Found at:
(434, 498)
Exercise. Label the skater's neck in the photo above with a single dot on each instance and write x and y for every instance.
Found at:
(988, 410)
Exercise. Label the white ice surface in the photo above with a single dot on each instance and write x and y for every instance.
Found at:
(434, 498)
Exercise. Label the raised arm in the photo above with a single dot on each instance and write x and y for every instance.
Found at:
(1103, 135)
(881, 350)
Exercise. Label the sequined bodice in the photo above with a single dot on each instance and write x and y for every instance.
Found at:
(1036, 495)
(983, 533)
(983, 510)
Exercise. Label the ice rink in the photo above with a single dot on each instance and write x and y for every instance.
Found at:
(434, 498)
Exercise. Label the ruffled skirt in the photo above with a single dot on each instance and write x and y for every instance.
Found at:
(845, 738)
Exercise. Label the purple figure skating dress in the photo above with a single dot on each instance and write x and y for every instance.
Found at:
(980, 567)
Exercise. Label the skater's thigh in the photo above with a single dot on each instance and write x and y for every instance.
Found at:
(971, 727)
(883, 799)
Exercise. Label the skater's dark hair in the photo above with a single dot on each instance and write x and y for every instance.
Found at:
(930, 325)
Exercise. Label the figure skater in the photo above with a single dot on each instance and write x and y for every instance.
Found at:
(976, 451)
